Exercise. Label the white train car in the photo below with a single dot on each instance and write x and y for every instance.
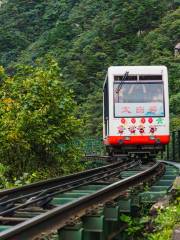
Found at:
(136, 109)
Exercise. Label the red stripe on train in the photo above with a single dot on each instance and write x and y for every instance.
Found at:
(133, 140)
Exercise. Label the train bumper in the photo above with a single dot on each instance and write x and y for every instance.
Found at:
(137, 140)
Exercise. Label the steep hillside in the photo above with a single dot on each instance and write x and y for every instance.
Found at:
(22, 22)
(87, 36)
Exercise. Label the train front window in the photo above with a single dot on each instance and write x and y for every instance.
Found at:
(139, 100)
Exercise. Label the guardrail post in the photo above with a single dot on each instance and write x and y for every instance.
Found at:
(71, 232)
(178, 145)
(173, 146)
(162, 154)
(167, 151)
(94, 226)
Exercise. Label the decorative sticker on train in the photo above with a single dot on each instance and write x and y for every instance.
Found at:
(152, 129)
(141, 129)
(123, 120)
(160, 121)
(132, 129)
(121, 129)
(143, 120)
(150, 120)
(133, 120)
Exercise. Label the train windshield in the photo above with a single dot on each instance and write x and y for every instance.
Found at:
(139, 100)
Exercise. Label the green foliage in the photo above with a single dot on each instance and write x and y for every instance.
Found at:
(93, 107)
(165, 223)
(175, 114)
(135, 225)
(37, 114)
(23, 21)
(87, 36)
(3, 179)
(159, 227)
(26, 178)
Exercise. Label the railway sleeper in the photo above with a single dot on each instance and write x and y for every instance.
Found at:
(103, 223)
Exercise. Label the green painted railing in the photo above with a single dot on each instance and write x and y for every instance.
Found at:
(173, 149)
(171, 153)
(93, 146)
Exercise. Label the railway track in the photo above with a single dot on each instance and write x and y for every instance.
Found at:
(27, 212)
(45, 195)
(43, 185)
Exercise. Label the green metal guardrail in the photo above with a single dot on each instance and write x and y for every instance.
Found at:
(94, 146)
(172, 152)
(90, 146)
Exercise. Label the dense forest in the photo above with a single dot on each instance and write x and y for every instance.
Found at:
(84, 37)
(54, 55)
(87, 36)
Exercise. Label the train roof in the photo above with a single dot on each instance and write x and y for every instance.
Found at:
(137, 69)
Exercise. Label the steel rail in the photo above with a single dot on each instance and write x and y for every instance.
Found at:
(39, 186)
(47, 189)
(58, 217)
(55, 191)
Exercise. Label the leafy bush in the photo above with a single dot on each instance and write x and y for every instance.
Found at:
(159, 227)
(37, 114)
(3, 179)
(165, 223)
